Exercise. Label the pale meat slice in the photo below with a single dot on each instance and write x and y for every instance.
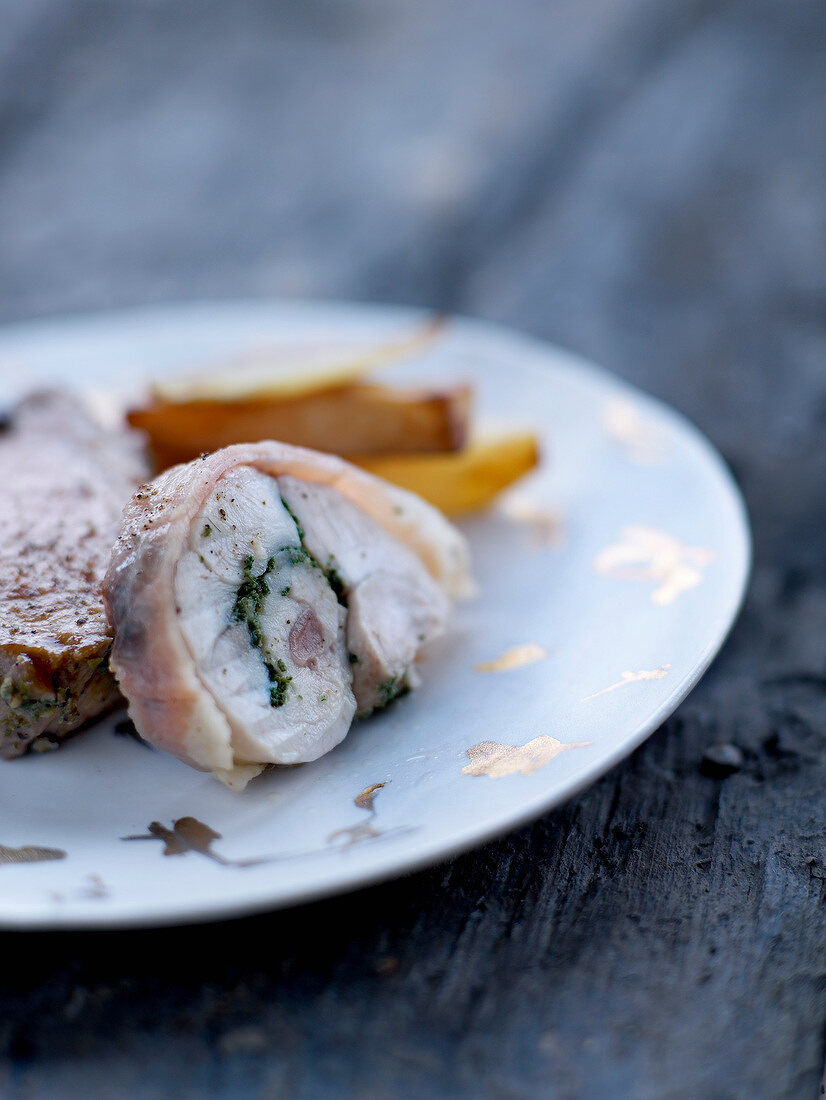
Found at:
(178, 619)
(65, 480)
(263, 625)
(394, 606)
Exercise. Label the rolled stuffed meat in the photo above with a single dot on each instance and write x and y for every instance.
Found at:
(263, 595)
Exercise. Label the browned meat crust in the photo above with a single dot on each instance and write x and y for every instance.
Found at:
(64, 482)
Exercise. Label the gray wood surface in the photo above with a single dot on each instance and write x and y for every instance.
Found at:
(642, 182)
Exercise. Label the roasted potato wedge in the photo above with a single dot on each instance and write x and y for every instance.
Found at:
(462, 481)
(289, 371)
(360, 419)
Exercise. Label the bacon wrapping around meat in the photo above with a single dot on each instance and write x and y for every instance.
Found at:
(263, 595)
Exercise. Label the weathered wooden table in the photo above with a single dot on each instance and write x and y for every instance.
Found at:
(642, 182)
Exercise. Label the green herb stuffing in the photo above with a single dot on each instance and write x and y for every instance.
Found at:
(250, 597)
(391, 690)
(279, 679)
(25, 708)
(247, 609)
(206, 532)
(294, 518)
(297, 555)
(337, 585)
(35, 707)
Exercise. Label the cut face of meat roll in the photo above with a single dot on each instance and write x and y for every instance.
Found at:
(394, 605)
(262, 623)
(263, 595)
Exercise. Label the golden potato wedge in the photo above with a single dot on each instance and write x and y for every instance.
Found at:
(359, 419)
(290, 371)
(461, 481)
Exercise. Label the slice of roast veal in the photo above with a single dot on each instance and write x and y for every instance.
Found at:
(64, 480)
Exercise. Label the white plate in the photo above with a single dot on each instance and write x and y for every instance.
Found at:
(623, 561)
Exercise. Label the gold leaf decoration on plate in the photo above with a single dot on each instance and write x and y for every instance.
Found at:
(364, 800)
(632, 678)
(545, 527)
(495, 760)
(365, 830)
(642, 440)
(515, 657)
(351, 835)
(654, 557)
(29, 853)
(188, 834)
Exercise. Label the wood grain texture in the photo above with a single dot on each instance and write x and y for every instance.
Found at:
(642, 182)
